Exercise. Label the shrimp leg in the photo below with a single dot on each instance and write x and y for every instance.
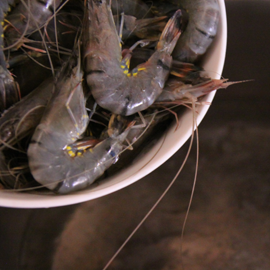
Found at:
(64, 121)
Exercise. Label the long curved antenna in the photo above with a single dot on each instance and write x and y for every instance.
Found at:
(41, 35)
(154, 206)
(194, 183)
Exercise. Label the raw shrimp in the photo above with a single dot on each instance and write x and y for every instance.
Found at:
(64, 122)
(112, 86)
(26, 17)
(201, 29)
(9, 91)
(25, 115)
(4, 8)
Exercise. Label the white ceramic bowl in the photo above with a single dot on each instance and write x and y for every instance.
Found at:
(171, 142)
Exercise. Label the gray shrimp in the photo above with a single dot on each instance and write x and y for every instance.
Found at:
(27, 17)
(23, 117)
(24, 18)
(112, 85)
(9, 90)
(4, 8)
(64, 121)
(201, 29)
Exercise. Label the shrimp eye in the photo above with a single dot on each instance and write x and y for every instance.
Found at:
(112, 153)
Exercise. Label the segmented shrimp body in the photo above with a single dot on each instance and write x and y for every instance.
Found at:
(112, 85)
(51, 160)
(63, 121)
(201, 29)
(27, 17)
(8, 88)
(25, 115)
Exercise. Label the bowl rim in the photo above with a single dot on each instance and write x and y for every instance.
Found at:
(139, 170)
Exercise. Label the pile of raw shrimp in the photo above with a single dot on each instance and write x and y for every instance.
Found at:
(84, 83)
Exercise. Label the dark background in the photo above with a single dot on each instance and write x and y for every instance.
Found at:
(229, 222)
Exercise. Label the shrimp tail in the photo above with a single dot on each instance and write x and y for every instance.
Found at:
(171, 33)
(186, 72)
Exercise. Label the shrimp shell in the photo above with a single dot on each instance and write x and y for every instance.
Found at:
(64, 122)
(201, 29)
(112, 86)
(25, 115)
(27, 17)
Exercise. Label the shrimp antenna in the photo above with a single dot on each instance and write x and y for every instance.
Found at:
(55, 31)
(55, 24)
(20, 38)
(36, 61)
(156, 203)
(41, 35)
(194, 181)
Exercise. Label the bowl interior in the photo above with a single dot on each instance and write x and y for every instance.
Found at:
(171, 141)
